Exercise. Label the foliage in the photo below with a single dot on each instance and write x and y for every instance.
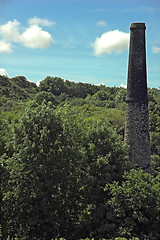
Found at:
(91, 113)
(46, 97)
(64, 167)
(57, 86)
(41, 166)
(16, 88)
(49, 158)
(105, 162)
(135, 205)
(12, 111)
(154, 127)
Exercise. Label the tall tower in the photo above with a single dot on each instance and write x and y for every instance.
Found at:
(137, 120)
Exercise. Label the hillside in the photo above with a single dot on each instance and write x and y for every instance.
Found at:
(17, 88)
(92, 102)
(64, 165)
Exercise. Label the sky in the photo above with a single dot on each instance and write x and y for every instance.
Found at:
(78, 40)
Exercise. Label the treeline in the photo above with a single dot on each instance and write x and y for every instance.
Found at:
(17, 88)
(94, 102)
(64, 165)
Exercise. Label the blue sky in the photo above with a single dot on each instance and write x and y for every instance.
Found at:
(78, 40)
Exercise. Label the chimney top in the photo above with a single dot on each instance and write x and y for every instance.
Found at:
(137, 74)
(138, 25)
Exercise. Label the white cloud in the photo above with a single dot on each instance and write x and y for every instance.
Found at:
(35, 37)
(101, 24)
(3, 72)
(123, 85)
(10, 31)
(40, 21)
(155, 49)
(5, 47)
(38, 83)
(112, 41)
(32, 37)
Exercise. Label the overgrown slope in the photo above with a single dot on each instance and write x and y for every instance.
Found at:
(17, 88)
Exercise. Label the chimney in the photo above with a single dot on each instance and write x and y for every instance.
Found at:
(137, 120)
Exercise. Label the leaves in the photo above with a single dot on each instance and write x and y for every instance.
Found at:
(135, 202)
(64, 167)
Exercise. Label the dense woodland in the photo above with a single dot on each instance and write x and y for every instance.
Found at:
(64, 167)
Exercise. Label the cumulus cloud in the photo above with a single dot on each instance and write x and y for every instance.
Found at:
(5, 47)
(101, 24)
(112, 41)
(155, 49)
(35, 37)
(32, 37)
(40, 21)
(10, 31)
(3, 72)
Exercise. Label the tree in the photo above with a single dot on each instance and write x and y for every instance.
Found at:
(42, 169)
(120, 98)
(105, 162)
(44, 96)
(135, 206)
(54, 85)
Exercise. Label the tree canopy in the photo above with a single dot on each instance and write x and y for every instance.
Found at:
(64, 165)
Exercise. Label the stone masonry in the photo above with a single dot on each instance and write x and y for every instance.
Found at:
(137, 121)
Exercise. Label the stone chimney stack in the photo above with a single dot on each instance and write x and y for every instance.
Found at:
(137, 121)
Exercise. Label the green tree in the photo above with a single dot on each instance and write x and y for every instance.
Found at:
(105, 162)
(120, 98)
(42, 169)
(44, 96)
(54, 85)
(135, 206)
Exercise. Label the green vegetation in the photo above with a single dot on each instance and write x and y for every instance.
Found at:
(17, 88)
(64, 165)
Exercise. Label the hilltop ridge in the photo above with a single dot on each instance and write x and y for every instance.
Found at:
(16, 88)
